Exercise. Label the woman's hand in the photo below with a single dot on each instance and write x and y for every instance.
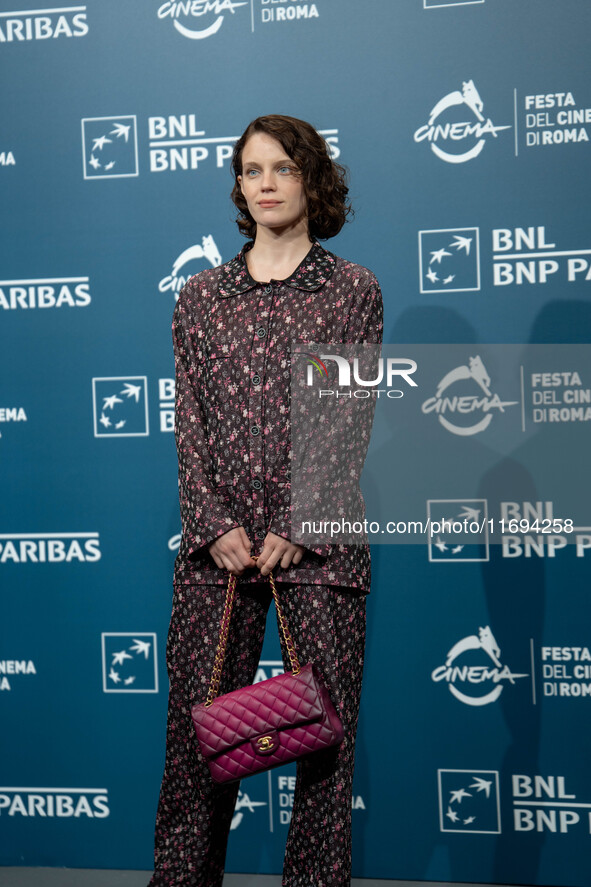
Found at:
(276, 550)
(232, 551)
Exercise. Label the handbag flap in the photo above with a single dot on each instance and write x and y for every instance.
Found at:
(286, 700)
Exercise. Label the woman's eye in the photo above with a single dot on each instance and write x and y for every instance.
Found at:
(251, 173)
(286, 170)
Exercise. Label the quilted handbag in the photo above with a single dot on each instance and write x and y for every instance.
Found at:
(269, 723)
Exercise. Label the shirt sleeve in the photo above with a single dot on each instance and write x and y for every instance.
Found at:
(204, 515)
(336, 437)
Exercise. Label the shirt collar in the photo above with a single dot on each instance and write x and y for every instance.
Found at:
(312, 272)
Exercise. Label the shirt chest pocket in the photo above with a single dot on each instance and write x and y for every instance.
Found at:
(225, 372)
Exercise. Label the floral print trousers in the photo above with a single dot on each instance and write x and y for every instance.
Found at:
(194, 814)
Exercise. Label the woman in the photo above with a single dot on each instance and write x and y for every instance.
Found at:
(233, 329)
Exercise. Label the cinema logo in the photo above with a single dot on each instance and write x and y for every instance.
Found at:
(14, 667)
(43, 24)
(189, 263)
(44, 292)
(12, 414)
(463, 670)
(464, 403)
(49, 548)
(198, 19)
(445, 131)
(55, 803)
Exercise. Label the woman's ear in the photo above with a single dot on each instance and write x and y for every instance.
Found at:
(239, 180)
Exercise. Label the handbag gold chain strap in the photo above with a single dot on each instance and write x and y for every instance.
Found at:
(223, 640)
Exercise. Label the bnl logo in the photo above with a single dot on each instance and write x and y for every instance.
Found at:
(469, 801)
(120, 406)
(449, 260)
(458, 530)
(129, 662)
(109, 147)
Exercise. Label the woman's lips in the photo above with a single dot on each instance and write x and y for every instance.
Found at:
(269, 203)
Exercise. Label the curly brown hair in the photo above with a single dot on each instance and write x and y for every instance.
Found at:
(324, 180)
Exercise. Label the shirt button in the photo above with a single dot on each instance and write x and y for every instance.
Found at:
(268, 289)
(261, 332)
(256, 379)
(260, 534)
(257, 484)
(255, 430)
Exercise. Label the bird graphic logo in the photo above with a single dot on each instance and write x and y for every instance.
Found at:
(129, 662)
(460, 530)
(449, 260)
(469, 801)
(109, 147)
(120, 406)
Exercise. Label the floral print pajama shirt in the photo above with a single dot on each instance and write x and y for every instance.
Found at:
(232, 340)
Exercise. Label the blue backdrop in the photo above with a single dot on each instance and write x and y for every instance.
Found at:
(466, 129)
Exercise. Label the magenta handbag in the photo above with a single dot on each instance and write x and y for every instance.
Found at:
(269, 723)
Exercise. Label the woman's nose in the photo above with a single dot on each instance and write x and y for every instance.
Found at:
(268, 180)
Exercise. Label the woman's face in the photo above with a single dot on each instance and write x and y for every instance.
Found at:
(272, 185)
